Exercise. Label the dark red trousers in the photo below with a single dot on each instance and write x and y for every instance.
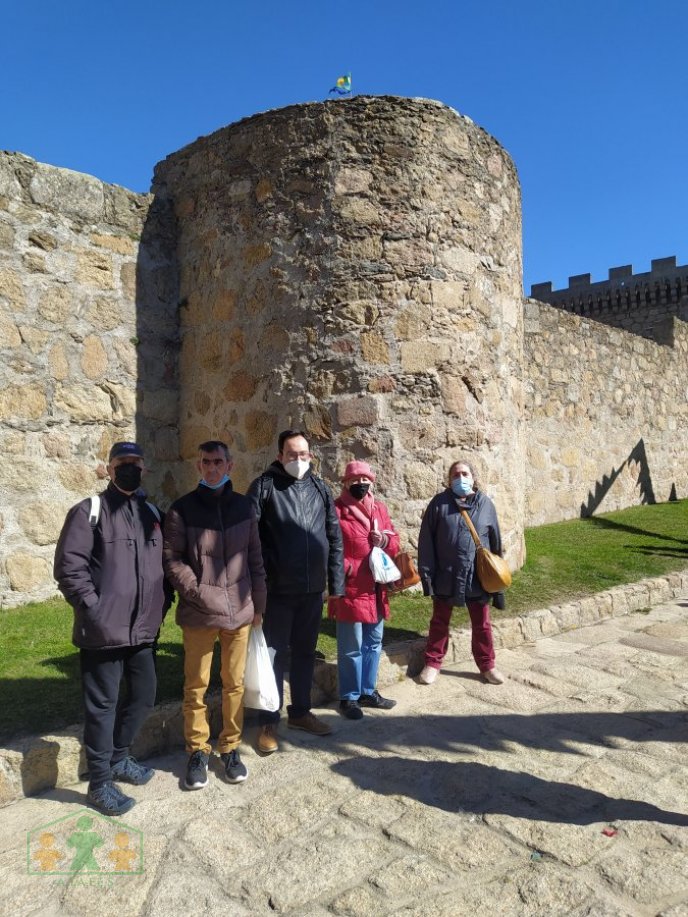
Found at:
(481, 636)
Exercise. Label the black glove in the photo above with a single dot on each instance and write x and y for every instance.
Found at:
(499, 601)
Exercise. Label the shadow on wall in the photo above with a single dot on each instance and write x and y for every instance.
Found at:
(157, 351)
(638, 456)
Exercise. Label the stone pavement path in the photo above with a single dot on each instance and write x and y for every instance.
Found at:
(465, 799)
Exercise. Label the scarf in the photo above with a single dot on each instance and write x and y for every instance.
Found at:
(362, 510)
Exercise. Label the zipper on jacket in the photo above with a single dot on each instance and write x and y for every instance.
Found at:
(224, 563)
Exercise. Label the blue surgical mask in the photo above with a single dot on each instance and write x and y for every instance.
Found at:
(462, 487)
(215, 486)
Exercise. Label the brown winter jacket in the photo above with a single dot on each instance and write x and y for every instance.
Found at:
(213, 558)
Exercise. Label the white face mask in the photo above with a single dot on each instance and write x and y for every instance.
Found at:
(297, 468)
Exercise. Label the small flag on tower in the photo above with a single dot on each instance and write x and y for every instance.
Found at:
(343, 85)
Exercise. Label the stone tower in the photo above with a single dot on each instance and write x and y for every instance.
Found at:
(353, 267)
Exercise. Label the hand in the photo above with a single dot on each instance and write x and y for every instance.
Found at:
(257, 621)
(378, 539)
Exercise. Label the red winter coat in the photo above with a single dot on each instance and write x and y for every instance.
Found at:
(365, 599)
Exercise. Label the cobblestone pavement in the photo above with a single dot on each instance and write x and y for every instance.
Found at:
(465, 799)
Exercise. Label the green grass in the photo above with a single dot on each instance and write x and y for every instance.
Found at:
(39, 667)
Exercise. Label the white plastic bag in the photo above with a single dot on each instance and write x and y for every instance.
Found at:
(382, 567)
(260, 687)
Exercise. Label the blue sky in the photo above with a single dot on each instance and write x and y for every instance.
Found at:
(589, 98)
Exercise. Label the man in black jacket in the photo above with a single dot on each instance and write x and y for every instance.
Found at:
(108, 565)
(303, 555)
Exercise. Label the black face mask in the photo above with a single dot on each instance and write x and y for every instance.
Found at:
(358, 491)
(128, 477)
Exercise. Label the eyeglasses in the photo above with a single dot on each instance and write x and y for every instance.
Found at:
(216, 462)
(292, 456)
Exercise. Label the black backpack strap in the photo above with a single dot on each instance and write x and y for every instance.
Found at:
(267, 485)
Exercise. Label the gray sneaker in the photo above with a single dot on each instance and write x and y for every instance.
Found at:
(235, 770)
(197, 771)
(130, 771)
(109, 799)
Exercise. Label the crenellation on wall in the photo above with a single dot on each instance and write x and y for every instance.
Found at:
(644, 303)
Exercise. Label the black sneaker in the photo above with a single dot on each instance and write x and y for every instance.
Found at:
(109, 799)
(377, 701)
(235, 770)
(197, 771)
(350, 709)
(130, 771)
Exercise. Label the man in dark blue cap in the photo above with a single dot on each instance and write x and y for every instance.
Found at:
(108, 565)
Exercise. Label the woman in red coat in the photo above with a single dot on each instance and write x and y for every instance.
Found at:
(362, 611)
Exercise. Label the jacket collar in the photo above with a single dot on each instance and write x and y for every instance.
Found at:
(213, 497)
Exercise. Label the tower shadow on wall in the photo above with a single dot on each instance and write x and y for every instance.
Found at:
(637, 455)
(157, 350)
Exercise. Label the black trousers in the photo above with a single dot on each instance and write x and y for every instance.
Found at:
(111, 722)
(292, 622)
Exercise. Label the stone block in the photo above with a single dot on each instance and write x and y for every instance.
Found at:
(9, 333)
(42, 520)
(223, 306)
(260, 429)
(67, 192)
(83, 403)
(374, 348)
(79, 478)
(58, 364)
(509, 632)
(122, 399)
(120, 245)
(317, 422)
(43, 240)
(104, 314)
(56, 304)
(33, 338)
(421, 480)
(241, 386)
(26, 402)
(6, 237)
(351, 180)
(458, 259)
(127, 278)
(357, 210)
(357, 412)
(27, 571)
(12, 289)
(57, 445)
(94, 360)
(9, 184)
(94, 268)
(253, 255)
(422, 356)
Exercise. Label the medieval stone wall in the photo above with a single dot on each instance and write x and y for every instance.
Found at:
(354, 267)
(81, 325)
(606, 413)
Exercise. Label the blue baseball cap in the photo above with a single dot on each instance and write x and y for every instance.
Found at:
(125, 449)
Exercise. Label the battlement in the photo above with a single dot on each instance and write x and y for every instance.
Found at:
(664, 284)
(644, 304)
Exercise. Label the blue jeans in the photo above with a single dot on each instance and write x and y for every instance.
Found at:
(358, 657)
